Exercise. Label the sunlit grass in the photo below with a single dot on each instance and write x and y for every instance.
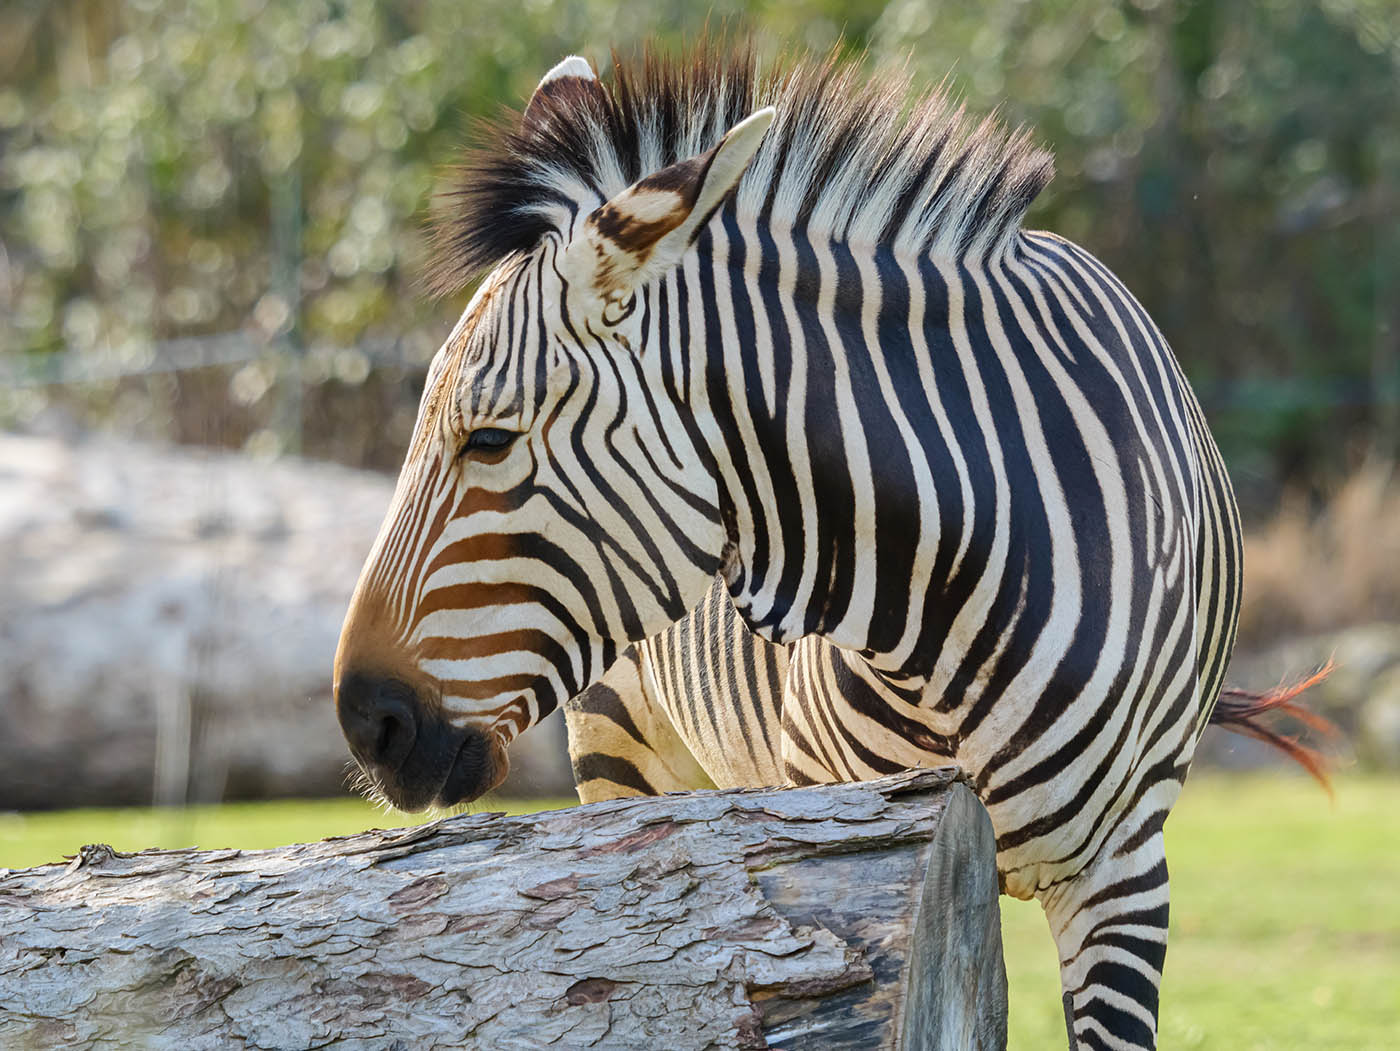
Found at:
(35, 839)
(1285, 907)
(1285, 922)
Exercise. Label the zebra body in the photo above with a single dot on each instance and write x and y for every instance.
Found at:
(847, 713)
(947, 471)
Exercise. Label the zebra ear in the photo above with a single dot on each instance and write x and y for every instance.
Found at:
(571, 77)
(645, 230)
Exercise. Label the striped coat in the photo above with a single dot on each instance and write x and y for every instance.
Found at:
(785, 332)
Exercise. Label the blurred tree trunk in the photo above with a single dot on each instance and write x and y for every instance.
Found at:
(168, 621)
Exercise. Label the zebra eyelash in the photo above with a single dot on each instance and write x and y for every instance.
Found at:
(487, 444)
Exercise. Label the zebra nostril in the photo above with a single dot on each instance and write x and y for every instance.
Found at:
(377, 717)
(395, 738)
(389, 729)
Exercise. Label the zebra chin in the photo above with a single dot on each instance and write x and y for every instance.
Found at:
(410, 756)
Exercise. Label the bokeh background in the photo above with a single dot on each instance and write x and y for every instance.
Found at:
(199, 181)
(212, 340)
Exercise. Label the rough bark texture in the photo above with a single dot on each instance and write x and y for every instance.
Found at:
(958, 917)
(737, 919)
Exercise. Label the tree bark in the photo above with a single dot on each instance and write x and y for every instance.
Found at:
(838, 916)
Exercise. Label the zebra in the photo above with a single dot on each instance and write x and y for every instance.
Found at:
(776, 343)
(696, 707)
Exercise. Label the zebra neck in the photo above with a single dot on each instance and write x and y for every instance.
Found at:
(824, 369)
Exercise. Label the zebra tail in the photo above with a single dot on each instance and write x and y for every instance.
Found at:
(1243, 712)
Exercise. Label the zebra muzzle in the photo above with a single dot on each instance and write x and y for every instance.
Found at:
(412, 756)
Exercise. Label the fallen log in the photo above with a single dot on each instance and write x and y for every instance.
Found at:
(839, 916)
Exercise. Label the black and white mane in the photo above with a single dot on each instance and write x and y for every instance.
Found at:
(857, 159)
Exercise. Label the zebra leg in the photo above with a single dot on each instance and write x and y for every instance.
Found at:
(1110, 926)
(622, 743)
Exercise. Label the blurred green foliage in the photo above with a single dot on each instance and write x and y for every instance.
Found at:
(1235, 162)
(194, 167)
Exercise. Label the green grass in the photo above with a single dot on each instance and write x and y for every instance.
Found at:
(1285, 922)
(35, 839)
(1285, 907)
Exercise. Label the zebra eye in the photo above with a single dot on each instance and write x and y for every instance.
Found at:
(488, 441)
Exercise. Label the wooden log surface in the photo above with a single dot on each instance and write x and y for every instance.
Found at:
(738, 919)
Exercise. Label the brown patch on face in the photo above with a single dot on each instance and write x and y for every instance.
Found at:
(475, 596)
(484, 645)
(485, 690)
(486, 547)
(518, 715)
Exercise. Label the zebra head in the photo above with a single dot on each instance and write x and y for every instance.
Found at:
(556, 502)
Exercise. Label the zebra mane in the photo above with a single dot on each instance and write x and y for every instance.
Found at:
(857, 159)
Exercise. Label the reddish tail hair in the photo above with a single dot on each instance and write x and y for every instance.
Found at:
(1242, 711)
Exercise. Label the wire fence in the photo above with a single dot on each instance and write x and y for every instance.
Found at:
(179, 355)
(1258, 394)
(270, 396)
(353, 404)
